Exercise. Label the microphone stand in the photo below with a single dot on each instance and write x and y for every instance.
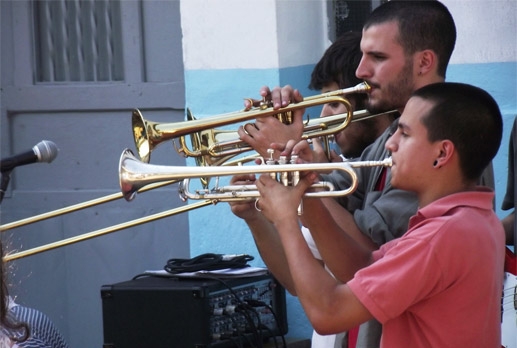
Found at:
(6, 177)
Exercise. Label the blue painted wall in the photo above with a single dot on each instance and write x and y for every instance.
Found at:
(216, 229)
(219, 83)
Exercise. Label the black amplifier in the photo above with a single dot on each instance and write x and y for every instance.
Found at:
(178, 312)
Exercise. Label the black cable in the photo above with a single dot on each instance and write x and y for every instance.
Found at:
(256, 303)
(207, 262)
(239, 334)
(241, 308)
(244, 310)
(271, 333)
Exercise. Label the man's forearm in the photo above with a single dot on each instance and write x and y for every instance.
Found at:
(271, 251)
(330, 307)
(341, 253)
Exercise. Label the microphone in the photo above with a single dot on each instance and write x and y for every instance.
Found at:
(44, 151)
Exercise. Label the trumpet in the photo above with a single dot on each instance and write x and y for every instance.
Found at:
(213, 147)
(135, 174)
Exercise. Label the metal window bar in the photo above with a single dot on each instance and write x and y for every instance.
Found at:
(78, 41)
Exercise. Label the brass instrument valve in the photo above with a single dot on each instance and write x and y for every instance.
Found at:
(295, 178)
(284, 117)
(296, 175)
(271, 161)
(284, 175)
(264, 104)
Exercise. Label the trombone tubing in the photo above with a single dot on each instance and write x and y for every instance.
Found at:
(106, 230)
(94, 202)
(73, 208)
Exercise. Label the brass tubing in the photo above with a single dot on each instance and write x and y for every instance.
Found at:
(106, 230)
(135, 174)
(100, 200)
(75, 207)
(148, 134)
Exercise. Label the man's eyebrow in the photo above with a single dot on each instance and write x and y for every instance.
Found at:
(374, 53)
(402, 126)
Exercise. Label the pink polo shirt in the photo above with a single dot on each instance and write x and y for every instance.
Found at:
(440, 284)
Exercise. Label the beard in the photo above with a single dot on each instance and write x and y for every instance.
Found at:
(396, 93)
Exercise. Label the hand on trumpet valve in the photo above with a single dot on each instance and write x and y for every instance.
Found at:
(301, 149)
(279, 202)
(279, 128)
(277, 97)
(245, 209)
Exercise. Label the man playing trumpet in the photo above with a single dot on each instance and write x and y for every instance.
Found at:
(405, 45)
(425, 286)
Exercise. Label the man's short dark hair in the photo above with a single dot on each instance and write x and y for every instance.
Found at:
(424, 24)
(469, 117)
(339, 63)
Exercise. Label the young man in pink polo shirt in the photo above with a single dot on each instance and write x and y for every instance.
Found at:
(440, 284)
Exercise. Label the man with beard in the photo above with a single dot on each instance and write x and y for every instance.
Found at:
(336, 70)
(406, 45)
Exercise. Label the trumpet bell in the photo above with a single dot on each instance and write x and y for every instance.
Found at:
(143, 140)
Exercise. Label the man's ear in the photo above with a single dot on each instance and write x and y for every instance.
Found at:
(426, 61)
(445, 152)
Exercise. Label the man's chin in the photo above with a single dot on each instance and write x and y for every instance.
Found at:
(395, 183)
(378, 107)
(375, 108)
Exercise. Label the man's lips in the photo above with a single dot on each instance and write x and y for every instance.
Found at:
(373, 87)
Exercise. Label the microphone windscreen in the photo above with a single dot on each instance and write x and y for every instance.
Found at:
(46, 151)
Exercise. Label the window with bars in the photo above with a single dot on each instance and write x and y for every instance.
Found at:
(349, 15)
(77, 41)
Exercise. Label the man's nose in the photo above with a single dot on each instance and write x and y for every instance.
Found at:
(325, 110)
(362, 72)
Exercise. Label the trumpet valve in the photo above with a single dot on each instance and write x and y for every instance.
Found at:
(264, 104)
(295, 180)
(296, 174)
(285, 175)
(271, 161)
(285, 117)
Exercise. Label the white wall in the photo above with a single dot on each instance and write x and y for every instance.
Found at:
(251, 34)
(487, 30)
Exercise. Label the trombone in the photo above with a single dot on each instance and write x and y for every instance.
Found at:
(209, 150)
(148, 134)
(135, 174)
(103, 231)
(106, 230)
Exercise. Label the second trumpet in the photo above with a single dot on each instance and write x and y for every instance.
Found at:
(211, 146)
